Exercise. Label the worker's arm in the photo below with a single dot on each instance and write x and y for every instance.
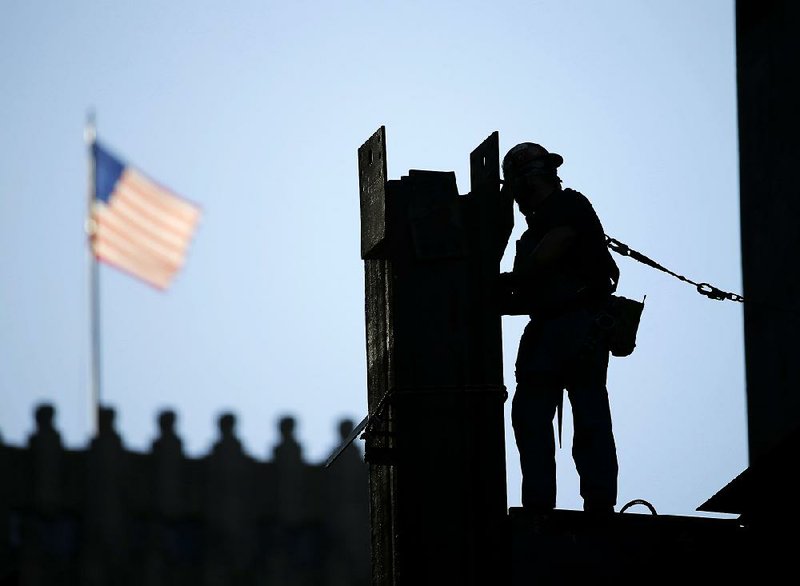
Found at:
(547, 253)
(505, 220)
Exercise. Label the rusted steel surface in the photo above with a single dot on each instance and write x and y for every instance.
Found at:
(372, 182)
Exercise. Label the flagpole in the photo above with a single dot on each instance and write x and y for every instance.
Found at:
(90, 135)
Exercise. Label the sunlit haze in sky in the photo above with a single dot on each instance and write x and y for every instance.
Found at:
(255, 109)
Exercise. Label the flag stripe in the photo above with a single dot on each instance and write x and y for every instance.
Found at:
(138, 225)
(111, 225)
(132, 247)
(153, 191)
(133, 266)
(124, 254)
(126, 213)
(125, 220)
(124, 193)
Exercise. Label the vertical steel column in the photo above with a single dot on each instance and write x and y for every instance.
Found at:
(435, 442)
(379, 336)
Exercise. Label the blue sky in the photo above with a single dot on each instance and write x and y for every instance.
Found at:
(255, 110)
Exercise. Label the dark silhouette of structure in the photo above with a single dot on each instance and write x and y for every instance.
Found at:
(435, 440)
(765, 494)
(107, 515)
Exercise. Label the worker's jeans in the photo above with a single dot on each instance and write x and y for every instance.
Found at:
(555, 355)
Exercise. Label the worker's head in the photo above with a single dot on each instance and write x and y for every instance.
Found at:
(530, 173)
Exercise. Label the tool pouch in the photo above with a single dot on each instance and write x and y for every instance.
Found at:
(620, 322)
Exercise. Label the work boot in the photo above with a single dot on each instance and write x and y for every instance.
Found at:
(598, 516)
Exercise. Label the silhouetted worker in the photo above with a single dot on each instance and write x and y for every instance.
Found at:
(563, 276)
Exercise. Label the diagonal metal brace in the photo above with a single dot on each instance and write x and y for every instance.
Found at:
(357, 430)
(365, 424)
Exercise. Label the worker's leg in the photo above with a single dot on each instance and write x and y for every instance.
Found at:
(593, 446)
(532, 412)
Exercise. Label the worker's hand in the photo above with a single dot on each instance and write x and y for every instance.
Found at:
(507, 280)
(506, 301)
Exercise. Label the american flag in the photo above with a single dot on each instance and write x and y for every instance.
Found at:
(136, 224)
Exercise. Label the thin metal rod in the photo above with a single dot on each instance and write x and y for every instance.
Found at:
(90, 135)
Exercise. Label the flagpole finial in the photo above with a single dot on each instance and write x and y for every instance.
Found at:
(90, 131)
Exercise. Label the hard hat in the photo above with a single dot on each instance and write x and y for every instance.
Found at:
(528, 158)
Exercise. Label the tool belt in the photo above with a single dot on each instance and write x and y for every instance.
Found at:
(619, 322)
